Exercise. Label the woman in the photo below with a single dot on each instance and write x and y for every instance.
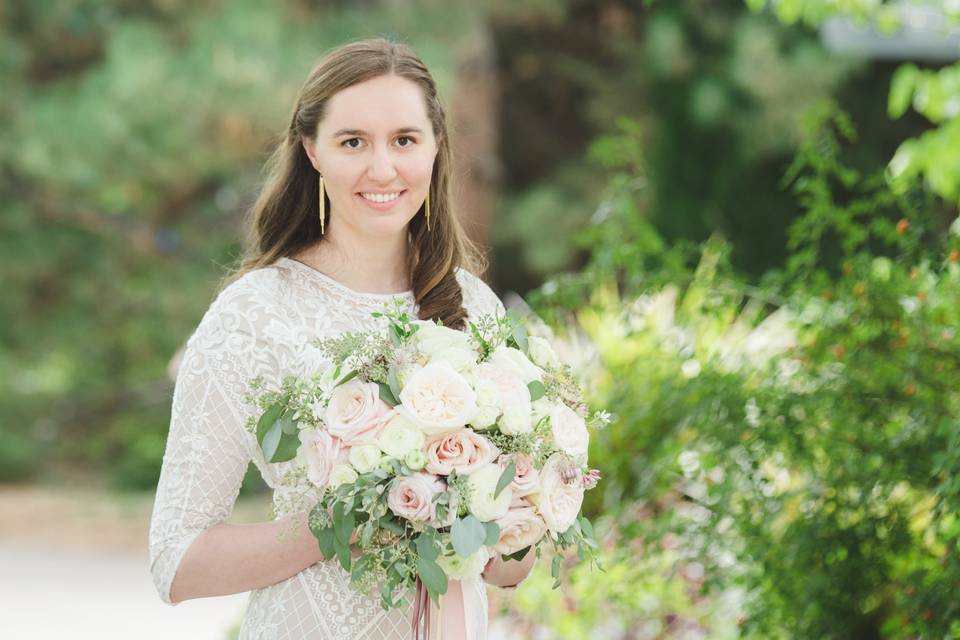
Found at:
(356, 210)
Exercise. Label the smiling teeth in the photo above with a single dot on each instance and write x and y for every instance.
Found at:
(378, 197)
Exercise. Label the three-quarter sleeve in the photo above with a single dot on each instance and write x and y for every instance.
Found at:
(208, 446)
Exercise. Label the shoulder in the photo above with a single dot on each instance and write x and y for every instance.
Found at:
(244, 304)
(478, 297)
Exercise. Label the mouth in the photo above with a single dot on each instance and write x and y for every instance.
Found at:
(381, 201)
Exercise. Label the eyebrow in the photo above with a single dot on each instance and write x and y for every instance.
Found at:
(360, 132)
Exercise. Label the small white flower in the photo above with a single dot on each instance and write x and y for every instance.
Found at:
(342, 474)
(365, 457)
(542, 353)
(415, 459)
(459, 568)
(400, 437)
(443, 344)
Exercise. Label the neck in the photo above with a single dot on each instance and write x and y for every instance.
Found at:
(369, 264)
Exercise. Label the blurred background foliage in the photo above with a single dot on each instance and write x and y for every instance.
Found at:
(745, 242)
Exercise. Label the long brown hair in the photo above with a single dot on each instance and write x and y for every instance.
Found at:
(285, 217)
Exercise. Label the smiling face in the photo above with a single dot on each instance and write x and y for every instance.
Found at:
(375, 148)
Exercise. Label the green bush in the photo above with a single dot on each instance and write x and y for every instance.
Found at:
(798, 439)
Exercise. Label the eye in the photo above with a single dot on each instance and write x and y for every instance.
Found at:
(346, 143)
(412, 141)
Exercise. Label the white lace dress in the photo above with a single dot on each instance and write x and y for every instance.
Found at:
(261, 325)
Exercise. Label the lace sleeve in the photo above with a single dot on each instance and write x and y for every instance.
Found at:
(478, 297)
(208, 447)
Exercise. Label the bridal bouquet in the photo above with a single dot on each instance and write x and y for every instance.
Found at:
(432, 449)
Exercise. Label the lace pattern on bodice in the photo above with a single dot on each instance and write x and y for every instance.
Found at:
(262, 325)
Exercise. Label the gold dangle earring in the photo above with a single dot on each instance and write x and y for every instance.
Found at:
(323, 213)
(426, 207)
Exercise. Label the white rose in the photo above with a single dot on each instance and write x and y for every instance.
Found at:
(516, 361)
(400, 437)
(516, 420)
(342, 474)
(438, 399)
(319, 452)
(542, 353)
(356, 413)
(570, 432)
(561, 494)
(483, 483)
(512, 396)
(443, 344)
(365, 457)
(488, 402)
(542, 408)
(458, 568)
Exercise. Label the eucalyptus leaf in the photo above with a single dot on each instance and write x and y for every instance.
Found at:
(386, 394)
(518, 555)
(267, 420)
(347, 378)
(343, 553)
(468, 535)
(324, 538)
(519, 331)
(433, 578)
(536, 390)
(286, 448)
(393, 382)
(505, 479)
(427, 547)
(271, 441)
(493, 533)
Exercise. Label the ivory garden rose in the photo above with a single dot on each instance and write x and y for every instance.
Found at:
(569, 432)
(438, 399)
(443, 344)
(516, 361)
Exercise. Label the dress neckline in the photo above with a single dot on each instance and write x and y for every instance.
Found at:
(304, 267)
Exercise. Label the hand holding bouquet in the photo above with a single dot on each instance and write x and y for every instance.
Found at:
(435, 449)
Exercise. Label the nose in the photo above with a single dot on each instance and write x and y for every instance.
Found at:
(382, 167)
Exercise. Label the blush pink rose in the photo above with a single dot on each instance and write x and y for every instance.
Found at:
(527, 478)
(463, 450)
(411, 497)
(521, 527)
(320, 452)
(356, 414)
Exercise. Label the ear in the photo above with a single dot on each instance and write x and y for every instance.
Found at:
(308, 147)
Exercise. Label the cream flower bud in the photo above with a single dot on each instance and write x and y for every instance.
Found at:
(342, 474)
(365, 457)
(542, 353)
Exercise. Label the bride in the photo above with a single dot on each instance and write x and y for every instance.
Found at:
(356, 210)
